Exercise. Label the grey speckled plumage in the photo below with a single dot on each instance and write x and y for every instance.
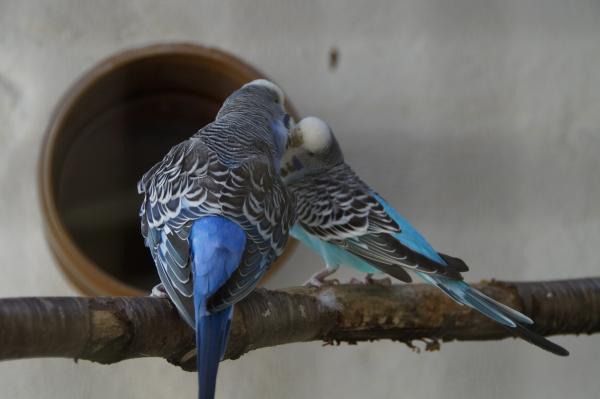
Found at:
(228, 169)
(339, 208)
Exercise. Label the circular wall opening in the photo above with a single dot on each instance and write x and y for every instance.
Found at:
(114, 123)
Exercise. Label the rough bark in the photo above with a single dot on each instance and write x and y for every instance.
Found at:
(108, 330)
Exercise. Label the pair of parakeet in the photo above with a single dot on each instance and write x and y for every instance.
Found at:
(219, 207)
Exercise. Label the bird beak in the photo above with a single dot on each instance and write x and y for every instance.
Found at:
(295, 137)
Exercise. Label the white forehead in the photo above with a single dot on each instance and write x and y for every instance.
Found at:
(316, 135)
(268, 84)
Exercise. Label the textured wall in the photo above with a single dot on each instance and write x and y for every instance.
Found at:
(480, 120)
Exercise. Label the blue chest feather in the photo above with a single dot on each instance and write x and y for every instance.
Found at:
(280, 133)
(332, 254)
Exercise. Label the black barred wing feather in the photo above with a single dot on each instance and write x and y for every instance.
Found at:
(190, 183)
(339, 208)
(179, 288)
(386, 253)
(176, 189)
(256, 198)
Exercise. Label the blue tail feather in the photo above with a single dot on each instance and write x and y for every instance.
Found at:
(515, 321)
(464, 294)
(212, 331)
(217, 249)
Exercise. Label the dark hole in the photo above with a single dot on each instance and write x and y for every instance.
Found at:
(97, 196)
(116, 133)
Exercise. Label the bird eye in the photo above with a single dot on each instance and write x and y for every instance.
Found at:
(286, 121)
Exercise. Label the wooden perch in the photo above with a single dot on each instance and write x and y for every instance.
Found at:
(109, 330)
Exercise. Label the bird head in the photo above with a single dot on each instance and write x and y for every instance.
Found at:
(312, 149)
(260, 103)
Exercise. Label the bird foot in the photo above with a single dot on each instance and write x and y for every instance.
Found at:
(321, 282)
(158, 291)
(382, 282)
(319, 279)
(369, 280)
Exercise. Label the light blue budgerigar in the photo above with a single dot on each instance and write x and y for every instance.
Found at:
(216, 214)
(348, 223)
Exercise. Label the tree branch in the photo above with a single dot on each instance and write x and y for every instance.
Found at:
(108, 330)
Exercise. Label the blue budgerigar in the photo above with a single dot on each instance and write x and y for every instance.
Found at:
(348, 223)
(216, 214)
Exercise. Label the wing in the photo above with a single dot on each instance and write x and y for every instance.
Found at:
(419, 251)
(257, 199)
(341, 209)
(176, 189)
(191, 182)
(339, 206)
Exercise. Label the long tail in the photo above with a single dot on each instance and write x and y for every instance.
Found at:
(217, 246)
(212, 331)
(513, 320)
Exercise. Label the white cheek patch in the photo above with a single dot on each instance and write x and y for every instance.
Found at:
(316, 135)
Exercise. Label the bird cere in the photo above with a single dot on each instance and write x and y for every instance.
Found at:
(219, 207)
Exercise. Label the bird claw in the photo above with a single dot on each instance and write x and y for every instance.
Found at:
(369, 280)
(382, 282)
(321, 282)
(159, 291)
(319, 279)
